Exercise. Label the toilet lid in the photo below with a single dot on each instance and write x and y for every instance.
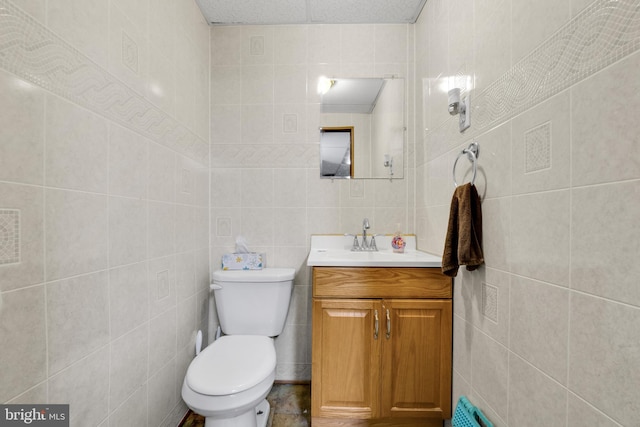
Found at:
(233, 363)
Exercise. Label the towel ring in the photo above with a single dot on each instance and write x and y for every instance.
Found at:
(472, 152)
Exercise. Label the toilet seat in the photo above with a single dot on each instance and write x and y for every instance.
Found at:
(233, 363)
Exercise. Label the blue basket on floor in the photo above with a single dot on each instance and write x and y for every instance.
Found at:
(467, 415)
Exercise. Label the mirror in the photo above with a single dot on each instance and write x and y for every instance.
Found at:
(373, 110)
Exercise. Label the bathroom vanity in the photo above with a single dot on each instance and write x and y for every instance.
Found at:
(382, 336)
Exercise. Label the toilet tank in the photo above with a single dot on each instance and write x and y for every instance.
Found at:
(253, 302)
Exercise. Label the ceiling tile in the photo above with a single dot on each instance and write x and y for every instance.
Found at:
(254, 11)
(259, 12)
(364, 11)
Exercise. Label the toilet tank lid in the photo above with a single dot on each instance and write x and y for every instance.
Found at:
(264, 275)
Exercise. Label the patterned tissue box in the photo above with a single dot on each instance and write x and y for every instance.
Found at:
(248, 261)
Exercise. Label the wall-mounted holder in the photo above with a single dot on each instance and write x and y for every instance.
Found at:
(461, 107)
(472, 152)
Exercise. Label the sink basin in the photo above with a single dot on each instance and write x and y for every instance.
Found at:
(335, 251)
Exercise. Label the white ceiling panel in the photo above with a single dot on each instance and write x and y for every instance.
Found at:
(265, 12)
(253, 12)
(364, 11)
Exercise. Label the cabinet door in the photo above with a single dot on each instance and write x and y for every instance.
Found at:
(416, 359)
(345, 358)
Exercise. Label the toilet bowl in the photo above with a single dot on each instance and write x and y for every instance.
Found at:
(228, 381)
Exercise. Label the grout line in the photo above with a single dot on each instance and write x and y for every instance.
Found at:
(570, 284)
(44, 241)
(108, 276)
(595, 409)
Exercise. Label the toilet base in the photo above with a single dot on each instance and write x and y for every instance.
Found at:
(256, 417)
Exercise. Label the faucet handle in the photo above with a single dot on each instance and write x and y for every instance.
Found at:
(372, 244)
(356, 245)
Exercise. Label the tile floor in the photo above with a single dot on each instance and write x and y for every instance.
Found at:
(290, 407)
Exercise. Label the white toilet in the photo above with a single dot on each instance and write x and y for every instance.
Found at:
(228, 381)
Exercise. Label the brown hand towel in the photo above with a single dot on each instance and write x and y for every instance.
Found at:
(463, 243)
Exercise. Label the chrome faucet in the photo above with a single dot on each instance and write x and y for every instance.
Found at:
(366, 245)
(365, 227)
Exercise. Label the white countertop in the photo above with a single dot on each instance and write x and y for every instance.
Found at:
(335, 251)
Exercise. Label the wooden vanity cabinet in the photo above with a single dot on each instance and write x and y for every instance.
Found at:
(381, 349)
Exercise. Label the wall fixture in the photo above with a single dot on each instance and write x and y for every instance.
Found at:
(325, 84)
(472, 152)
(388, 163)
(461, 107)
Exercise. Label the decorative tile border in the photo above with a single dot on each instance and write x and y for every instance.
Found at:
(35, 54)
(603, 33)
(265, 156)
(129, 52)
(490, 302)
(356, 189)
(223, 227)
(162, 281)
(9, 236)
(257, 46)
(290, 123)
(537, 145)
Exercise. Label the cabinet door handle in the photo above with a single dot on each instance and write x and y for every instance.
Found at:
(376, 326)
(388, 325)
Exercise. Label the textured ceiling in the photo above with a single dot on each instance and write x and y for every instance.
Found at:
(259, 12)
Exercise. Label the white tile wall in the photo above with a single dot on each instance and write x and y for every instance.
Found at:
(109, 171)
(85, 387)
(76, 234)
(264, 150)
(84, 24)
(23, 310)
(21, 131)
(558, 232)
(28, 201)
(77, 318)
(128, 298)
(129, 360)
(104, 153)
(603, 340)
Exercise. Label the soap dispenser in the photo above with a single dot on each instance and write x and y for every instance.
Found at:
(398, 243)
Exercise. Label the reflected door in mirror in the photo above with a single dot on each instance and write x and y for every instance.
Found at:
(336, 152)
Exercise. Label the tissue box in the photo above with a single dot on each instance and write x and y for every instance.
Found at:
(248, 261)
